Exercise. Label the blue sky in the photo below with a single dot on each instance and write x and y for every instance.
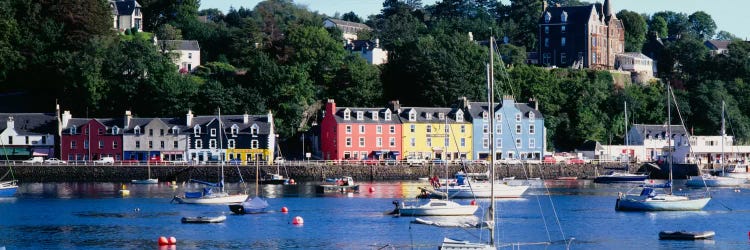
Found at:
(726, 13)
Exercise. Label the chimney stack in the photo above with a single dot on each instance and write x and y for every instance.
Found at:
(189, 118)
(128, 117)
(10, 122)
(330, 108)
(245, 118)
(66, 116)
(395, 106)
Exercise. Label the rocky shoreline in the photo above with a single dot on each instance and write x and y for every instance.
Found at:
(309, 172)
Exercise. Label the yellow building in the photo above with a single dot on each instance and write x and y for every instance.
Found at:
(435, 133)
(249, 156)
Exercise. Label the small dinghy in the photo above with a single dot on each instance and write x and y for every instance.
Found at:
(683, 235)
(204, 219)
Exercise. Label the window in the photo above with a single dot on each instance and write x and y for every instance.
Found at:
(161, 132)
(447, 129)
(72, 130)
(388, 115)
(531, 116)
(379, 129)
(100, 130)
(446, 142)
(531, 129)
(72, 144)
(234, 130)
(562, 29)
(428, 116)
(176, 144)
(85, 144)
(213, 132)
(562, 41)
(546, 58)
(413, 128)
(347, 115)
(499, 117)
(115, 130)
(361, 142)
(593, 41)
(563, 58)
(211, 143)
(499, 143)
(374, 115)
(392, 129)
(360, 115)
(429, 142)
(150, 132)
(198, 144)
(379, 142)
(254, 129)
(175, 131)
(429, 129)
(348, 141)
(486, 129)
(392, 141)
(593, 58)
(532, 143)
(546, 29)
(499, 129)
(441, 116)
(161, 144)
(463, 142)
(547, 17)
(137, 130)
(485, 115)
(150, 144)
(564, 16)
(413, 142)
(463, 129)
(459, 116)
(137, 144)
(196, 130)
(254, 144)
(518, 117)
(412, 115)
(190, 55)
(348, 129)
(114, 144)
(546, 42)
(361, 129)
(485, 143)
(518, 143)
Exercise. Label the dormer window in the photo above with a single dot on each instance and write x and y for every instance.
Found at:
(254, 129)
(197, 130)
(485, 115)
(562, 29)
(235, 130)
(360, 115)
(387, 114)
(347, 114)
(459, 116)
(412, 115)
(441, 116)
(518, 117)
(213, 132)
(564, 17)
(547, 17)
(115, 130)
(562, 41)
(175, 131)
(428, 116)
(374, 115)
(546, 29)
(73, 130)
(499, 117)
(137, 130)
(531, 116)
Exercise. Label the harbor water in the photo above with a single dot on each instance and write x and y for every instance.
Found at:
(95, 216)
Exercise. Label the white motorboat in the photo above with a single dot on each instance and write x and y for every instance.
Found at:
(435, 207)
(707, 180)
(204, 219)
(146, 181)
(482, 189)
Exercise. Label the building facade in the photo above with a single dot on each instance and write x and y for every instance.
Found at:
(186, 54)
(369, 50)
(349, 133)
(236, 138)
(153, 139)
(436, 134)
(126, 15)
(519, 130)
(348, 29)
(86, 139)
(656, 141)
(23, 135)
(580, 36)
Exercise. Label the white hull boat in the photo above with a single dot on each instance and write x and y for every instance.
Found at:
(436, 208)
(683, 235)
(146, 181)
(217, 198)
(483, 190)
(204, 219)
(660, 202)
(714, 181)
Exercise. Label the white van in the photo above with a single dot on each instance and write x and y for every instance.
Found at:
(104, 160)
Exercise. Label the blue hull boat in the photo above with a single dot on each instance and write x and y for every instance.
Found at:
(8, 189)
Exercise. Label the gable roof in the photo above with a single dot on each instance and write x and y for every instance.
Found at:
(264, 126)
(717, 44)
(576, 14)
(450, 114)
(476, 108)
(166, 45)
(340, 22)
(367, 116)
(655, 130)
(30, 123)
(126, 7)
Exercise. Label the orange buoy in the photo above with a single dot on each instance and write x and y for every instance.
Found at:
(284, 210)
(372, 189)
(473, 202)
(298, 221)
(163, 241)
(172, 240)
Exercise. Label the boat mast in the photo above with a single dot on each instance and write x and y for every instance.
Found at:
(490, 99)
(627, 142)
(723, 132)
(221, 145)
(669, 134)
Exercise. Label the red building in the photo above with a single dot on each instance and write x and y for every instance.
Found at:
(359, 133)
(85, 139)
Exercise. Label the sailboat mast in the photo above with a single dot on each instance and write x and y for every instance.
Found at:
(627, 142)
(669, 133)
(221, 146)
(723, 132)
(491, 94)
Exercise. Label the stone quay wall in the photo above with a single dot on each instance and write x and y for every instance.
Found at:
(299, 172)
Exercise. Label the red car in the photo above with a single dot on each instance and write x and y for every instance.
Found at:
(576, 161)
(549, 160)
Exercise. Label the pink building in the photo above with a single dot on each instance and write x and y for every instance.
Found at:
(359, 133)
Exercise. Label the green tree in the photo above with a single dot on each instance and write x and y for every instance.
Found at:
(677, 23)
(658, 25)
(168, 32)
(725, 35)
(351, 17)
(526, 14)
(702, 25)
(635, 30)
(357, 84)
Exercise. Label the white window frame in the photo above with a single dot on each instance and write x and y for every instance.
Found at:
(486, 143)
(413, 128)
(254, 144)
(463, 142)
(213, 132)
(499, 143)
(413, 142)
(518, 129)
(412, 115)
(428, 116)
(379, 142)
(360, 115)
(392, 141)
(230, 143)
(429, 141)
(429, 129)
(348, 142)
(531, 129)
(518, 117)
(387, 114)
(532, 143)
(254, 129)
(374, 115)
(347, 115)
(486, 129)
(362, 142)
(392, 129)
(348, 129)
(199, 143)
(212, 144)
(379, 129)
(196, 130)
(518, 143)
(362, 129)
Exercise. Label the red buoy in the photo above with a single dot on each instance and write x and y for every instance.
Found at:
(473, 202)
(291, 181)
(163, 241)
(298, 221)
(172, 240)
(284, 210)
(372, 189)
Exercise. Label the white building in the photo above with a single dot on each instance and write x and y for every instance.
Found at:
(641, 67)
(369, 50)
(186, 54)
(126, 15)
(27, 134)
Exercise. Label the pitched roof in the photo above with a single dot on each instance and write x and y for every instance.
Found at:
(340, 22)
(179, 45)
(658, 129)
(367, 115)
(576, 14)
(635, 55)
(30, 123)
(126, 7)
(422, 114)
(717, 44)
(264, 126)
(476, 109)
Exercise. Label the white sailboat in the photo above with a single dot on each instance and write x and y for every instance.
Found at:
(208, 195)
(434, 207)
(8, 188)
(649, 200)
(707, 180)
(149, 180)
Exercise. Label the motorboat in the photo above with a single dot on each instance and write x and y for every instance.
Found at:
(619, 177)
(466, 187)
(434, 207)
(344, 185)
(707, 180)
(274, 179)
(8, 188)
(683, 235)
(204, 219)
(255, 205)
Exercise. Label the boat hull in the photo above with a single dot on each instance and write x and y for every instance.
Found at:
(146, 181)
(639, 203)
(620, 179)
(449, 244)
(714, 181)
(682, 235)
(8, 188)
(274, 182)
(204, 219)
(483, 190)
(214, 199)
(325, 188)
(437, 208)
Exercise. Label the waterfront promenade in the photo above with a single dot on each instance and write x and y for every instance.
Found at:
(300, 171)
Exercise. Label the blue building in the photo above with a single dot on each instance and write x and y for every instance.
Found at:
(519, 129)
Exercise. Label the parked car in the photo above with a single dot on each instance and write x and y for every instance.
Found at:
(416, 161)
(279, 160)
(54, 161)
(576, 161)
(35, 159)
(105, 160)
(549, 160)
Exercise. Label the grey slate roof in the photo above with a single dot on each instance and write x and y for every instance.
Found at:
(477, 108)
(367, 117)
(576, 14)
(717, 44)
(30, 123)
(422, 112)
(126, 7)
(340, 22)
(658, 130)
(178, 45)
(264, 126)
